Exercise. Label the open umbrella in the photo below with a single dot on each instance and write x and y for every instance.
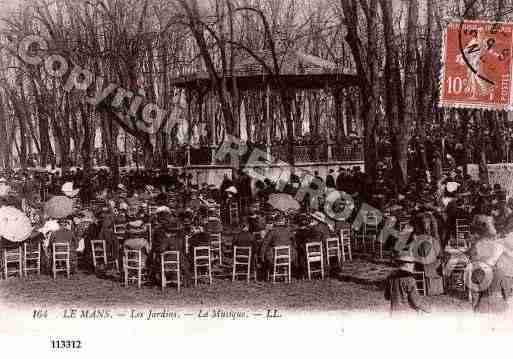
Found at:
(283, 202)
(4, 189)
(59, 207)
(14, 224)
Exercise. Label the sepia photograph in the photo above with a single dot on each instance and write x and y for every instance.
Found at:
(287, 171)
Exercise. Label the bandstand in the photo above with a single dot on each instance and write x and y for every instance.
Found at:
(302, 74)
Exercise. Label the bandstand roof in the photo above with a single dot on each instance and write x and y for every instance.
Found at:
(297, 69)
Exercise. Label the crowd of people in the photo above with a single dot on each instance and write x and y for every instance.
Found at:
(185, 215)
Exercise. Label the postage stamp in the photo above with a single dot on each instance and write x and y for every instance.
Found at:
(477, 66)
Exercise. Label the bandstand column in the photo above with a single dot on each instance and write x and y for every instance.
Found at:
(268, 127)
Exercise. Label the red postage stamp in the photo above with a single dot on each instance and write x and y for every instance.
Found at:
(476, 65)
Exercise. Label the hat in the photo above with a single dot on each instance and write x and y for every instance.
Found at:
(2, 179)
(231, 189)
(319, 216)
(50, 226)
(163, 209)
(452, 186)
(123, 205)
(136, 224)
(67, 189)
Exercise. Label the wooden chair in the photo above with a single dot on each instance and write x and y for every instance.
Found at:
(202, 262)
(187, 237)
(61, 259)
(242, 260)
(119, 229)
(345, 244)
(31, 258)
(457, 277)
(234, 213)
(462, 233)
(282, 265)
(216, 247)
(152, 210)
(170, 265)
(133, 210)
(13, 258)
(420, 279)
(377, 246)
(133, 266)
(333, 250)
(314, 257)
(99, 251)
(370, 231)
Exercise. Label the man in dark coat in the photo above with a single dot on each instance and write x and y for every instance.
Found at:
(330, 181)
(279, 235)
(401, 288)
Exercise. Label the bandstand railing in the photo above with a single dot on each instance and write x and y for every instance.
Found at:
(205, 155)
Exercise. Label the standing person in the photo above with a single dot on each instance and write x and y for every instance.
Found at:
(341, 179)
(330, 180)
(401, 288)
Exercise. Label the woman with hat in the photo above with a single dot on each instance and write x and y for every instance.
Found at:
(494, 287)
(401, 287)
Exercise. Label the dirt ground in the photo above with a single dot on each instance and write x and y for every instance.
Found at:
(87, 290)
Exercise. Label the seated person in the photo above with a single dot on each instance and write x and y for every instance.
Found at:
(246, 239)
(197, 238)
(136, 237)
(213, 224)
(279, 235)
(168, 237)
(64, 235)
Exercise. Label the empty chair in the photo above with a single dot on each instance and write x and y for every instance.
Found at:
(133, 266)
(420, 280)
(234, 213)
(241, 262)
(170, 268)
(282, 263)
(314, 258)
(370, 231)
(216, 247)
(187, 237)
(345, 244)
(12, 262)
(333, 250)
(31, 258)
(462, 233)
(99, 251)
(61, 259)
(202, 264)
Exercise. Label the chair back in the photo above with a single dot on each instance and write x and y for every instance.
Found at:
(60, 251)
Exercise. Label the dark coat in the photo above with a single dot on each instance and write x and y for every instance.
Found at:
(277, 236)
(330, 181)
